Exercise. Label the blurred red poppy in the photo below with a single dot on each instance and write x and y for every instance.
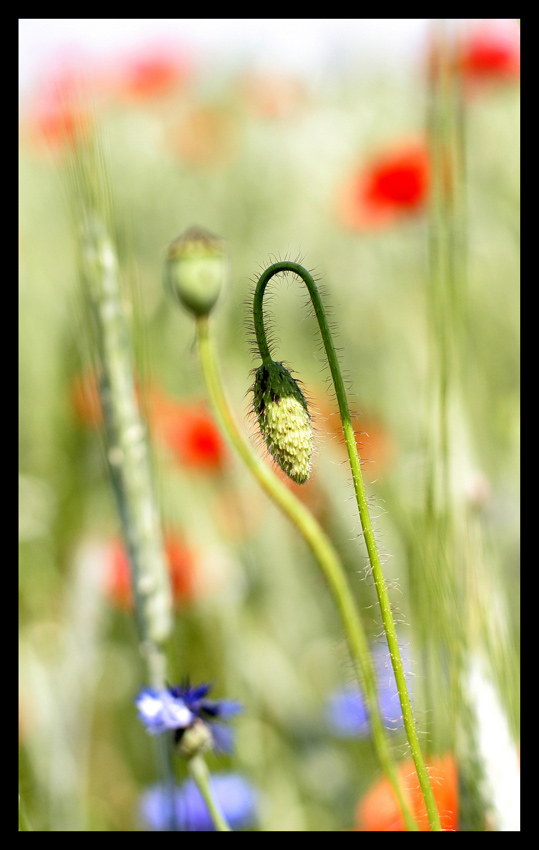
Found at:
(393, 185)
(58, 116)
(205, 137)
(85, 399)
(189, 431)
(154, 72)
(379, 811)
(375, 443)
(490, 54)
(187, 428)
(274, 96)
(483, 56)
(59, 124)
(182, 565)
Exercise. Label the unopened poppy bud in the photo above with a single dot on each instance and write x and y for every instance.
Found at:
(196, 269)
(284, 420)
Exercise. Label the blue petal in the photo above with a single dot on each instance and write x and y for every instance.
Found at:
(220, 708)
(223, 737)
(161, 711)
(191, 694)
(347, 714)
(235, 796)
(346, 710)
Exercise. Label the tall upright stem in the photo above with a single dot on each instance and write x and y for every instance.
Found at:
(125, 433)
(127, 446)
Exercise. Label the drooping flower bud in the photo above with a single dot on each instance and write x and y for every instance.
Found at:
(196, 269)
(284, 420)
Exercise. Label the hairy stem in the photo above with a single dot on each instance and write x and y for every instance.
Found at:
(321, 548)
(361, 498)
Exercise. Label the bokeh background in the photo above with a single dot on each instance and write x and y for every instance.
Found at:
(287, 139)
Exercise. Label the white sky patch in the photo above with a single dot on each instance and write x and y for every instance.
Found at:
(304, 46)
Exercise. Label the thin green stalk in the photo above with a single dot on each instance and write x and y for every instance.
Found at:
(201, 775)
(125, 432)
(446, 279)
(321, 548)
(361, 498)
(461, 619)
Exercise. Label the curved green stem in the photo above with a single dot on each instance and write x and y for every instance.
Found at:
(201, 775)
(361, 498)
(321, 548)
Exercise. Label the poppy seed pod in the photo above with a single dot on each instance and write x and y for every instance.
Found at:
(196, 269)
(284, 420)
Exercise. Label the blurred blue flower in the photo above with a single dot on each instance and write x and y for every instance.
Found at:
(235, 796)
(161, 710)
(346, 709)
(179, 707)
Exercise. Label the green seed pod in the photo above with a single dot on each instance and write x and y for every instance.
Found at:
(196, 269)
(284, 420)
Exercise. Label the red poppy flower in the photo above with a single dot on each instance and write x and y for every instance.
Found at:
(182, 566)
(155, 72)
(58, 115)
(379, 811)
(490, 54)
(59, 124)
(393, 185)
(189, 431)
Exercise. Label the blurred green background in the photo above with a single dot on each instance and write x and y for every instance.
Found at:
(260, 160)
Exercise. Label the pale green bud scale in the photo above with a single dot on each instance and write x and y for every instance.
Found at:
(284, 420)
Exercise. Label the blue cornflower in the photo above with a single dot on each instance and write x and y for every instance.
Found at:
(161, 710)
(346, 709)
(233, 794)
(181, 707)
